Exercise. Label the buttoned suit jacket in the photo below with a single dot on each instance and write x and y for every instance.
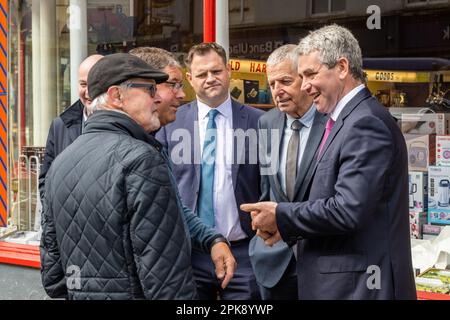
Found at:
(269, 263)
(244, 171)
(353, 232)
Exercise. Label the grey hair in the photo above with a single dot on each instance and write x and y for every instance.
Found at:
(286, 52)
(157, 58)
(98, 103)
(334, 42)
(101, 102)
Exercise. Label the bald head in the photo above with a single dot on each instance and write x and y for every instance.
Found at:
(83, 71)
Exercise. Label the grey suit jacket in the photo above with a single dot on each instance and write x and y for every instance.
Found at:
(244, 173)
(353, 232)
(269, 263)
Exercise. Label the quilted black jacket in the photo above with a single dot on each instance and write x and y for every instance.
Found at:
(112, 228)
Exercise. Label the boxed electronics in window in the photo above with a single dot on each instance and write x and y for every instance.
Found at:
(416, 222)
(421, 151)
(421, 120)
(442, 150)
(439, 195)
(430, 231)
(418, 191)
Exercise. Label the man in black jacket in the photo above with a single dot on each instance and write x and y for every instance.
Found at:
(112, 222)
(67, 127)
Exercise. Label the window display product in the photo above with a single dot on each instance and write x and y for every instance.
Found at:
(416, 222)
(418, 191)
(434, 280)
(237, 89)
(251, 91)
(421, 151)
(431, 231)
(443, 150)
(421, 120)
(438, 195)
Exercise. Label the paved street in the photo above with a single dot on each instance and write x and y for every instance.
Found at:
(20, 283)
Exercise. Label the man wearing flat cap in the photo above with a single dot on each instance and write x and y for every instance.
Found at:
(112, 225)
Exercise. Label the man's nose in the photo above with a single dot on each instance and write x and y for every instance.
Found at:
(210, 77)
(157, 98)
(306, 86)
(278, 89)
(180, 94)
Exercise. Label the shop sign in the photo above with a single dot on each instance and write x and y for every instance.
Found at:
(248, 66)
(396, 76)
(245, 48)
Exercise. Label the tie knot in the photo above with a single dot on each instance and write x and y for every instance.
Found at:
(296, 125)
(212, 114)
(330, 124)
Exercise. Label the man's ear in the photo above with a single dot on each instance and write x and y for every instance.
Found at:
(343, 68)
(115, 96)
(189, 77)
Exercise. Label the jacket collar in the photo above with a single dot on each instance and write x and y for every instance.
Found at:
(107, 120)
(73, 114)
(349, 107)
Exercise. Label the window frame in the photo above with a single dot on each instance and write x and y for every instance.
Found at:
(328, 13)
(427, 3)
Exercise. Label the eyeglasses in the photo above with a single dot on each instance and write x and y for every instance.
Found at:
(176, 86)
(149, 87)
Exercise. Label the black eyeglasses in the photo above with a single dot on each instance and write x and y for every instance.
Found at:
(176, 86)
(149, 87)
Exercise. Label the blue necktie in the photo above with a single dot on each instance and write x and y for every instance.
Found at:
(205, 197)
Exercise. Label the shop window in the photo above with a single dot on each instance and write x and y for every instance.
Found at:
(40, 85)
(241, 11)
(319, 7)
(424, 2)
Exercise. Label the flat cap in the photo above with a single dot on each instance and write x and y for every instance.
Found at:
(116, 68)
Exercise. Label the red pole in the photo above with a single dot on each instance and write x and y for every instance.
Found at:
(209, 20)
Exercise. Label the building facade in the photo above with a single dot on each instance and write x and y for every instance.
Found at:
(47, 39)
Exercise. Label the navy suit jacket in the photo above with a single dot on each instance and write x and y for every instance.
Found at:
(245, 175)
(353, 232)
(270, 263)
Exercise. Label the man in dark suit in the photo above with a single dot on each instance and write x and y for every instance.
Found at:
(293, 133)
(353, 232)
(214, 172)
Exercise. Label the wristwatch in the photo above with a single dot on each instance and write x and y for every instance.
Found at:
(219, 239)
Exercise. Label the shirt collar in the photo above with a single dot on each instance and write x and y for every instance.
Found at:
(306, 120)
(343, 102)
(224, 109)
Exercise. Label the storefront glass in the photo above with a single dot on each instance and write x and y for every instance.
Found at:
(47, 41)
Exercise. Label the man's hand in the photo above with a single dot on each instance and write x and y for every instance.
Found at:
(263, 216)
(274, 238)
(224, 262)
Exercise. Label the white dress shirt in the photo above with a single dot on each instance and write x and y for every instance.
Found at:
(306, 120)
(343, 102)
(225, 208)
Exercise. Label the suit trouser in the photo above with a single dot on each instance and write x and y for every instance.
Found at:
(286, 288)
(243, 286)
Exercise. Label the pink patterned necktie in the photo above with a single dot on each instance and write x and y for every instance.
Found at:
(328, 127)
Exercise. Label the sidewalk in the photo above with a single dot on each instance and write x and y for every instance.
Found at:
(20, 283)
